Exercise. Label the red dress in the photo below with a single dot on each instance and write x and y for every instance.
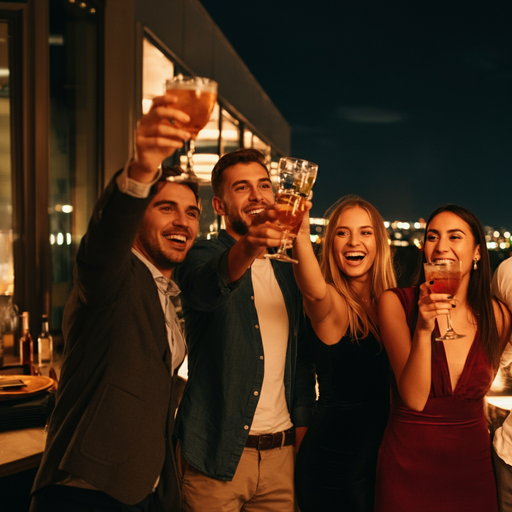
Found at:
(439, 459)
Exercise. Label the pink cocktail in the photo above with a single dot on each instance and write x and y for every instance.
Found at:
(446, 277)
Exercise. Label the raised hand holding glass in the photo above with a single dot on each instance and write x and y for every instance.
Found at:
(296, 179)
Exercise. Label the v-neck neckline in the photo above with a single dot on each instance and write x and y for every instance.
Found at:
(440, 346)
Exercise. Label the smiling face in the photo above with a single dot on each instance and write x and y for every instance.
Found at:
(354, 244)
(169, 227)
(449, 238)
(246, 191)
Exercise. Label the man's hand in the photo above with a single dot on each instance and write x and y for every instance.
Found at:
(263, 232)
(300, 432)
(157, 137)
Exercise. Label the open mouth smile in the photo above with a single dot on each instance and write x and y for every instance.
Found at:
(355, 256)
(177, 238)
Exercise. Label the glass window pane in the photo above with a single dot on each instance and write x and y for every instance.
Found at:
(230, 137)
(247, 138)
(73, 170)
(257, 143)
(204, 159)
(156, 68)
(6, 255)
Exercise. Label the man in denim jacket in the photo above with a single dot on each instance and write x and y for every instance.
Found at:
(250, 391)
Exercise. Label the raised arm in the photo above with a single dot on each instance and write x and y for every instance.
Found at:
(411, 358)
(156, 138)
(104, 252)
(324, 306)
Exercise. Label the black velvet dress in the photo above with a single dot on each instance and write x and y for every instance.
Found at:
(336, 463)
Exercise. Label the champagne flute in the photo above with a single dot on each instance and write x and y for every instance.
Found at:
(196, 96)
(296, 178)
(446, 277)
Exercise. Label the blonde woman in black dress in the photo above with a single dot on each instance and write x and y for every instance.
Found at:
(337, 459)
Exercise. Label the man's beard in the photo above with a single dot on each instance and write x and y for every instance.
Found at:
(163, 260)
(239, 226)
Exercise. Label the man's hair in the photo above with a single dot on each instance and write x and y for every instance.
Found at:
(176, 170)
(240, 156)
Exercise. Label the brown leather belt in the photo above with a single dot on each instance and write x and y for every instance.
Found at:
(269, 441)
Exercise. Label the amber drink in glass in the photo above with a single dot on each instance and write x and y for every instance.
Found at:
(196, 96)
(295, 181)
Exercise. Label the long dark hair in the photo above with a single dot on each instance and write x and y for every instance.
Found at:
(479, 298)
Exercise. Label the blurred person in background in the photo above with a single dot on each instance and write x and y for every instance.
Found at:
(502, 441)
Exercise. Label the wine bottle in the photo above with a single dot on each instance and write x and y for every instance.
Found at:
(26, 346)
(45, 344)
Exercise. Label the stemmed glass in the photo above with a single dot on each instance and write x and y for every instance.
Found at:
(196, 96)
(446, 277)
(296, 178)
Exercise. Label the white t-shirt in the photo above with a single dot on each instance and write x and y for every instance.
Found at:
(502, 288)
(271, 412)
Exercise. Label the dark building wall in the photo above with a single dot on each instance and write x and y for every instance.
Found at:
(185, 28)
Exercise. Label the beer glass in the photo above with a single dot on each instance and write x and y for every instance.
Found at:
(295, 181)
(446, 277)
(196, 96)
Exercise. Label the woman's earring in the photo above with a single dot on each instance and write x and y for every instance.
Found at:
(475, 267)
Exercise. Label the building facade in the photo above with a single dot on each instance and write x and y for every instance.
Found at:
(74, 78)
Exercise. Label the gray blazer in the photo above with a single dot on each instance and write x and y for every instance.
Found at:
(114, 415)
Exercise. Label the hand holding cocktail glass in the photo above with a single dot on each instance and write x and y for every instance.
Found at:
(196, 96)
(446, 278)
(296, 178)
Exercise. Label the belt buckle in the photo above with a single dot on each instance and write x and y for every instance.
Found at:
(265, 436)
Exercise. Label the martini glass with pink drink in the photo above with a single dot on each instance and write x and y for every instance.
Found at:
(446, 277)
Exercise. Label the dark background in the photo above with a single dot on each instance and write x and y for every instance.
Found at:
(407, 104)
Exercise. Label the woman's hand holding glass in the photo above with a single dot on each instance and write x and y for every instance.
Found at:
(431, 305)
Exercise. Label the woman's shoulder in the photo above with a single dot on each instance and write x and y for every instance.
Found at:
(405, 295)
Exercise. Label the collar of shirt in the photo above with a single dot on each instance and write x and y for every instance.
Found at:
(165, 286)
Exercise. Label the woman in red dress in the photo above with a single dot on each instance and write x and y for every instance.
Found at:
(435, 455)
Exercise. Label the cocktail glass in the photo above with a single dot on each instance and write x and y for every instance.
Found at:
(296, 178)
(446, 277)
(196, 96)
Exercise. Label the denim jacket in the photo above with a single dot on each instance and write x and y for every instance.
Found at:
(226, 358)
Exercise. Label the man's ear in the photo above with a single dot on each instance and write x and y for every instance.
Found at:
(218, 206)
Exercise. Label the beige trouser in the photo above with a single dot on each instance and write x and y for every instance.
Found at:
(263, 482)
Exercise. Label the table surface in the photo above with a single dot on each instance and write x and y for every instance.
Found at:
(23, 449)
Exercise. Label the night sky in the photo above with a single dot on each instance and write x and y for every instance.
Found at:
(408, 104)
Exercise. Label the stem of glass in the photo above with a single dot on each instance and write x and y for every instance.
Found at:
(449, 328)
(191, 148)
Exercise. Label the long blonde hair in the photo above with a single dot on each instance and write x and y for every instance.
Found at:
(383, 274)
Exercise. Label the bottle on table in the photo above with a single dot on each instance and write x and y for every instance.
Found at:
(26, 346)
(45, 344)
